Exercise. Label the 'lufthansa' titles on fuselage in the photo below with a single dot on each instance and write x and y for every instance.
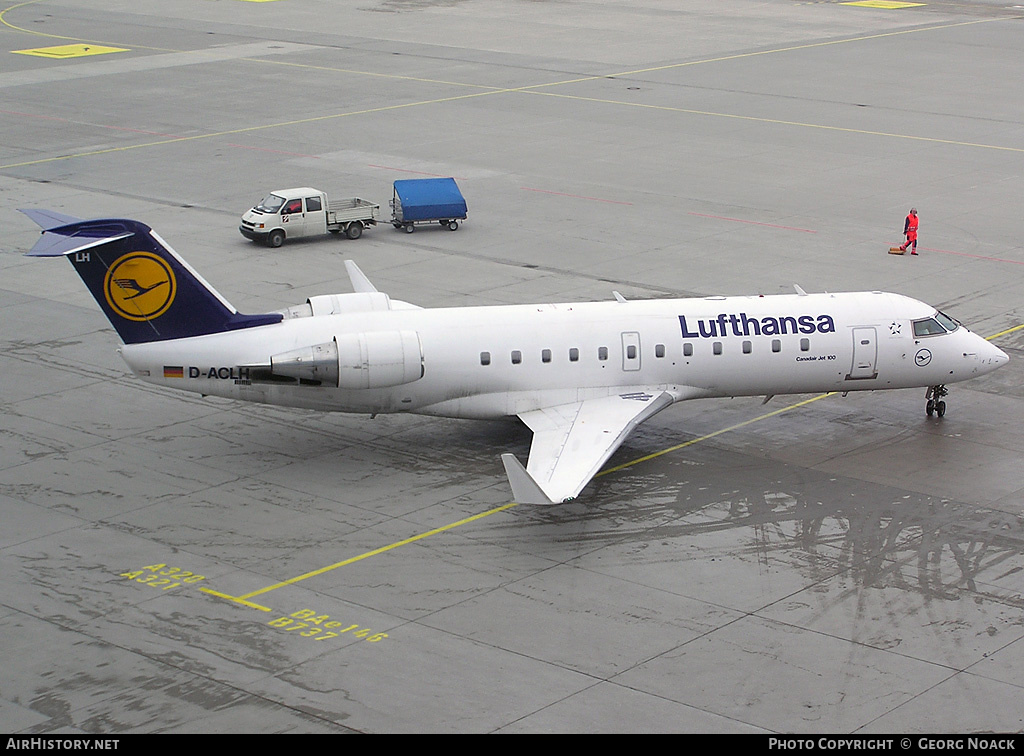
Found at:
(740, 324)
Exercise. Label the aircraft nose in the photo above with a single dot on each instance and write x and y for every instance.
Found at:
(993, 357)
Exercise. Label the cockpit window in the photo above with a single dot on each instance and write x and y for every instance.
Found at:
(270, 204)
(927, 327)
(947, 322)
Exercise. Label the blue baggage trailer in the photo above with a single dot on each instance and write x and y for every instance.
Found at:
(433, 200)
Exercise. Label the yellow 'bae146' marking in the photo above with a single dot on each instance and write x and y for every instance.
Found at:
(70, 51)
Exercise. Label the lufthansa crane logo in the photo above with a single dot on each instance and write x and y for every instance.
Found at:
(139, 286)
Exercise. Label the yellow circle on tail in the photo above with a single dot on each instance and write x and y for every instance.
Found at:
(139, 286)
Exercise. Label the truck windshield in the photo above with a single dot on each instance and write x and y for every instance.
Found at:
(270, 204)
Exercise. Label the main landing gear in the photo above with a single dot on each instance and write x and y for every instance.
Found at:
(935, 405)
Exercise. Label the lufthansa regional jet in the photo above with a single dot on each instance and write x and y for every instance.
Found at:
(582, 376)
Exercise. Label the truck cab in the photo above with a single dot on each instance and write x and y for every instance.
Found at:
(286, 214)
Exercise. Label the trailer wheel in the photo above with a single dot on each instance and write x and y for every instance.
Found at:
(354, 230)
(453, 225)
(275, 238)
(409, 228)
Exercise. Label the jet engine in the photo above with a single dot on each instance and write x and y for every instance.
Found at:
(339, 304)
(376, 359)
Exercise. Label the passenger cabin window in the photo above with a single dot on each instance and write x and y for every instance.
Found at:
(545, 355)
(485, 358)
(805, 345)
(927, 327)
(313, 204)
(631, 352)
(574, 355)
(747, 347)
(602, 353)
(659, 350)
(717, 347)
(687, 350)
(776, 345)
(517, 356)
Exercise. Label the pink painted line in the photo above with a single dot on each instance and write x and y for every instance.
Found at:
(85, 123)
(406, 170)
(976, 257)
(142, 131)
(276, 152)
(575, 196)
(32, 115)
(755, 223)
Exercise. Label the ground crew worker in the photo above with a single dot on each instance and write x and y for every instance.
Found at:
(910, 231)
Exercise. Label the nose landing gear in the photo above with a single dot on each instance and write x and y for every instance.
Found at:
(935, 405)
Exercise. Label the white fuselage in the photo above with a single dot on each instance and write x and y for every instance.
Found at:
(551, 354)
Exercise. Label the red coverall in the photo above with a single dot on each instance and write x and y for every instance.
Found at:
(910, 231)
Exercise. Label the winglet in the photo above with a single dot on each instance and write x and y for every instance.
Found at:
(524, 488)
(360, 283)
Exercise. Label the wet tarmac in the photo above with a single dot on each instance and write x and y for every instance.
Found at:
(817, 564)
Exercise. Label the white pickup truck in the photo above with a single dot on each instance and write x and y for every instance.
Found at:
(304, 211)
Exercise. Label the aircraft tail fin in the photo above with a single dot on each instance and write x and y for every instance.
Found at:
(147, 291)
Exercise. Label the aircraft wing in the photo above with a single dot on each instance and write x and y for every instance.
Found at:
(572, 441)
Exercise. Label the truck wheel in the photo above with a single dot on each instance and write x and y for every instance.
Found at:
(409, 228)
(354, 230)
(453, 225)
(275, 238)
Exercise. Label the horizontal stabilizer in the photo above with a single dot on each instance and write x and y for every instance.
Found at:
(48, 219)
(54, 245)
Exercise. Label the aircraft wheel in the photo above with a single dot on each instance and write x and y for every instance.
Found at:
(940, 408)
(930, 407)
(276, 238)
(354, 230)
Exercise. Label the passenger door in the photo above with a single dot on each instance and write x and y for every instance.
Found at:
(865, 354)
